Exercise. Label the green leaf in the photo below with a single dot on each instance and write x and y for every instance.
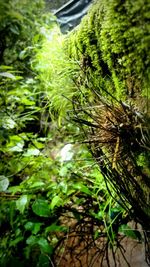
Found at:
(81, 187)
(63, 171)
(96, 234)
(23, 54)
(29, 225)
(14, 189)
(41, 208)
(56, 201)
(14, 242)
(43, 261)
(4, 183)
(8, 123)
(21, 203)
(27, 102)
(16, 142)
(4, 67)
(7, 75)
(55, 228)
(33, 227)
(32, 152)
(37, 184)
(37, 227)
(44, 245)
(31, 240)
(38, 145)
(63, 187)
(128, 231)
(18, 147)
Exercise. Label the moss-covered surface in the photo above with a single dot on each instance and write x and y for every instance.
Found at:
(112, 48)
(112, 44)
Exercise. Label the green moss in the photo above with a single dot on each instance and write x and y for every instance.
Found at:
(112, 44)
(112, 47)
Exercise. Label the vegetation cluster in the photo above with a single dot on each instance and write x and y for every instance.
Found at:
(53, 197)
(111, 46)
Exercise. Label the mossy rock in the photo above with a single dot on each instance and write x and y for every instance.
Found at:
(112, 48)
(112, 44)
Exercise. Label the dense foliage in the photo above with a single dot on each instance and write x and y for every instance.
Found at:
(111, 46)
(50, 186)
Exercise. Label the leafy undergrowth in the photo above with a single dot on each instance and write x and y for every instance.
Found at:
(50, 187)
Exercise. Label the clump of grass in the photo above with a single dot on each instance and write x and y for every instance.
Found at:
(56, 73)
